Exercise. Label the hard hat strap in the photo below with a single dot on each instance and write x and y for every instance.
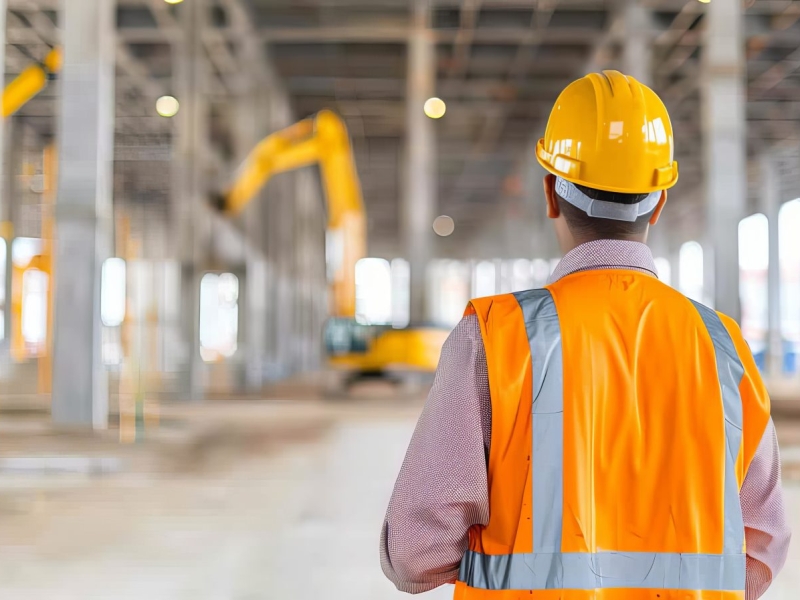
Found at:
(601, 209)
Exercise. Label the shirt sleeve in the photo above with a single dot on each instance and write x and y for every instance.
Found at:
(442, 488)
(766, 530)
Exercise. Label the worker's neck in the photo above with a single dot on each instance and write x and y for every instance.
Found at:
(581, 240)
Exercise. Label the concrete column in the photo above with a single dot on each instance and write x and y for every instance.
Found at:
(771, 188)
(191, 146)
(302, 269)
(637, 50)
(305, 259)
(419, 206)
(278, 222)
(250, 129)
(7, 163)
(540, 229)
(724, 140)
(675, 264)
(83, 210)
(282, 195)
(269, 244)
(12, 138)
(3, 172)
(311, 268)
(710, 257)
(284, 198)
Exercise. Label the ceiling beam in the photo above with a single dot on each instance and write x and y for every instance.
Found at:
(399, 34)
(468, 21)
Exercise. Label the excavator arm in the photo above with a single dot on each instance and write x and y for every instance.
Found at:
(30, 82)
(322, 140)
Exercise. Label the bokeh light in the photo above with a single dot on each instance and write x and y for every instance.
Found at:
(443, 225)
(167, 106)
(435, 108)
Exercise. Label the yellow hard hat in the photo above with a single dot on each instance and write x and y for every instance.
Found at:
(609, 132)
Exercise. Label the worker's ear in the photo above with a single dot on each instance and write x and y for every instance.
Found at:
(553, 210)
(659, 208)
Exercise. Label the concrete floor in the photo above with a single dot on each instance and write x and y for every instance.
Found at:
(231, 501)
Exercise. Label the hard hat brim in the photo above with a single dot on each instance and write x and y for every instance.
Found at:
(545, 159)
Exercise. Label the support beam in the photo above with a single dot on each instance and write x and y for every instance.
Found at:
(470, 9)
(380, 33)
(269, 351)
(771, 188)
(419, 205)
(6, 160)
(724, 139)
(12, 138)
(278, 215)
(84, 211)
(3, 13)
(637, 51)
(250, 120)
(192, 153)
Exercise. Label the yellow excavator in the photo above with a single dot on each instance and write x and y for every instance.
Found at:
(361, 350)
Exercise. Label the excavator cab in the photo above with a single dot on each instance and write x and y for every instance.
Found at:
(345, 336)
(381, 348)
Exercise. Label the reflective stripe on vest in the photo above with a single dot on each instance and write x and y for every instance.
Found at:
(546, 567)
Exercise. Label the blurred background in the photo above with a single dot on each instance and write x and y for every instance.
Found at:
(235, 233)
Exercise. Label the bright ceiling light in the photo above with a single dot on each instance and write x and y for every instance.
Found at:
(173, 1)
(443, 225)
(167, 106)
(435, 108)
(705, 1)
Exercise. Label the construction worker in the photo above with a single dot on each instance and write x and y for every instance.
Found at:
(603, 438)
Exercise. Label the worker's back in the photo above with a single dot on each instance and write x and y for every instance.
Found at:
(624, 418)
(630, 451)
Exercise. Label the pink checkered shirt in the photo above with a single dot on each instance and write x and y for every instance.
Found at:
(442, 489)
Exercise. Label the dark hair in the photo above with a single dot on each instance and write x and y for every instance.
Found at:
(585, 227)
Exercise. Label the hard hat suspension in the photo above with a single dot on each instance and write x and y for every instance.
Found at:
(602, 209)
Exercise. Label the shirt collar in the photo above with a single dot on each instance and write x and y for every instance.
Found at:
(606, 254)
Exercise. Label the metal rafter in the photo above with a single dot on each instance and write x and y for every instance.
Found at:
(470, 9)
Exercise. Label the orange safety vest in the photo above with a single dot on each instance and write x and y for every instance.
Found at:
(624, 419)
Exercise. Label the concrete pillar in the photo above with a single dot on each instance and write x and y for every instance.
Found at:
(675, 264)
(284, 199)
(3, 13)
(83, 210)
(8, 160)
(637, 49)
(255, 307)
(269, 245)
(771, 188)
(304, 256)
(540, 229)
(320, 287)
(191, 146)
(12, 138)
(724, 140)
(710, 257)
(419, 206)
(255, 318)
(250, 129)
(278, 218)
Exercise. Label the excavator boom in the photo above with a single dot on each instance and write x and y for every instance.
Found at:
(30, 82)
(321, 140)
